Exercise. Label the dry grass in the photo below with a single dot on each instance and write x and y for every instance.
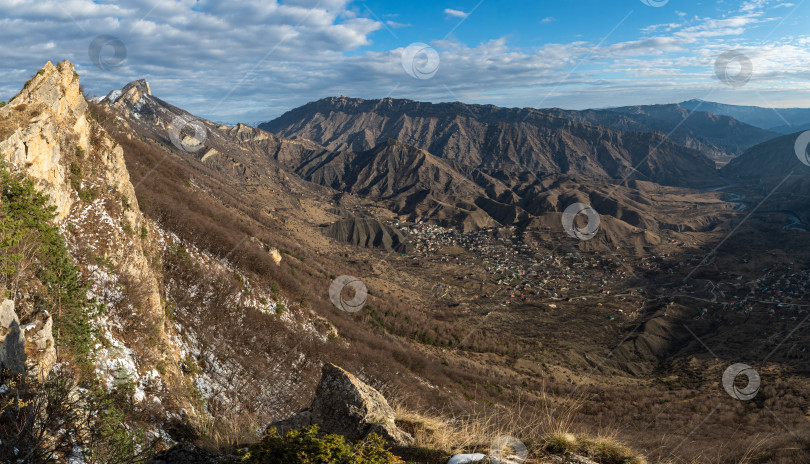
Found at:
(12, 118)
(545, 431)
(603, 449)
(228, 431)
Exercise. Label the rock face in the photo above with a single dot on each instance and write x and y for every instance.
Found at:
(345, 405)
(131, 96)
(40, 348)
(48, 135)
(58, 108)
(34, 354)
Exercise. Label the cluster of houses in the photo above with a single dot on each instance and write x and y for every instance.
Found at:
(514, 271)
(507, 271)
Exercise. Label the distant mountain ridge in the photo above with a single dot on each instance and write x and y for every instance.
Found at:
(493, 137)
(781, 120)
(718, 137)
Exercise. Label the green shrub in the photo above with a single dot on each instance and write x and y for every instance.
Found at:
(305, 446)
(76, 176)
(178, 251)
(280, 308)
(160, 366)
(126, 227)
(168, 308)
(79, 152)
(26, 217)
(189, 365)
(88, 195)
(125, 203)
(144, 232)
(113, 443)
(2, 103)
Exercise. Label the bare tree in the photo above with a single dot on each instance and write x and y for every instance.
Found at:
(42, 421)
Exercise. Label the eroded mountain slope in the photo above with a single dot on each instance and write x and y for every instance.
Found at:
(488, 136)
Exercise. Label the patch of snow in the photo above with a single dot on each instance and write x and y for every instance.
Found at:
(76, 456)
(466, 458)
(113, 96)
(28, 327)
(115, 364)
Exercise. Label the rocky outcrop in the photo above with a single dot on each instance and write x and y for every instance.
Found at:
(48, 135)
(12, 341)
(130, 97)
(28, 348)
(276, 255)
(52, 113)
(345, 405)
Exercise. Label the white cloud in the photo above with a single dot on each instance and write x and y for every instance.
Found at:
(250, 60)
(455, 13)
(548, 20)
(396, 25)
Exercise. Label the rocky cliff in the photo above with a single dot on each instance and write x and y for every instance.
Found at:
(51, 138)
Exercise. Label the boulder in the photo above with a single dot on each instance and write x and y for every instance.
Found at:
(26, 349)
(7, 315)
(12, 340)
(276, 256)
(40, 347)
(345, 405)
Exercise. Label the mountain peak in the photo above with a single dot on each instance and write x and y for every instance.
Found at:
(140, 85)
(57, 87)
(131, 94)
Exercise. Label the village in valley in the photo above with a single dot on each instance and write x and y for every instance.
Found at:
(502, 268)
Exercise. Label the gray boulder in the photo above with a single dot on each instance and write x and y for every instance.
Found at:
(12, 340)
(29, 348)
(345, 405)
(7, 314)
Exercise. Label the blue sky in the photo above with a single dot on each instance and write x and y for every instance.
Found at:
(251, 60)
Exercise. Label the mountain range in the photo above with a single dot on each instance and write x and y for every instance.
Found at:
(217, 262)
